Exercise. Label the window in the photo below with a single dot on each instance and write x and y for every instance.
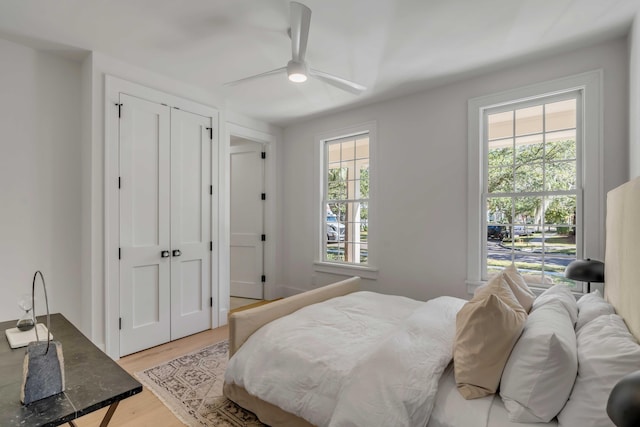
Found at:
(535, 181)
(346, 200)
(346, 177)
(531, 188)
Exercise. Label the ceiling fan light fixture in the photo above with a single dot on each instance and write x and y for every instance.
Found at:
(297, 71)
(297, 78)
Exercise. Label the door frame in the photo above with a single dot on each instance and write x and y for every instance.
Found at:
(113, 87)
(268, 142)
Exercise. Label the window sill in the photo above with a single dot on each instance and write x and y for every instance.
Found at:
(346, 270)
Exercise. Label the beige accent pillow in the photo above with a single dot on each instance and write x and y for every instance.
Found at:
(519, 287)
(487, 327)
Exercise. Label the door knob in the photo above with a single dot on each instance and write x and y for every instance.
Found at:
(164, 254)
(176, 252)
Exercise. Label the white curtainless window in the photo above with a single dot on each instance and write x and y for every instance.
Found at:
(345, 200)
(532, 187)
(535, 180)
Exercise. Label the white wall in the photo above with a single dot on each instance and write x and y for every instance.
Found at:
(634, 99)
(40, 193)
(422, 181)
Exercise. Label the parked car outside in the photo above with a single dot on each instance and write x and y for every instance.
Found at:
(335, 229)
(521, 230)
(497, 232)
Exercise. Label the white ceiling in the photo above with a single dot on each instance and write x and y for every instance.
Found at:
(393, 47)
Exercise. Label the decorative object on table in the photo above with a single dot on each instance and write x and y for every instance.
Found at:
(19, 339)
(623, 406)
(26, 322)
(585, 270)
(43, 374)
(24, 332)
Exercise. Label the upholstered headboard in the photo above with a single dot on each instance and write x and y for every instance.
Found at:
(622, 259)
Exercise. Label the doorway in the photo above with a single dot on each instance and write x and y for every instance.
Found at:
(247, 224)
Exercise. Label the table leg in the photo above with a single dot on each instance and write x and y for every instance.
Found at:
(109, 414)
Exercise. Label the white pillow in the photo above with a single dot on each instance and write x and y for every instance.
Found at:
(591, 306)
(560, 293)
(542, 367)
(606, 352)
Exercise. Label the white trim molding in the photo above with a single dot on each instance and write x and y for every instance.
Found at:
(590, 85)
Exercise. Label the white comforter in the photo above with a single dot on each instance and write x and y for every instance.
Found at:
(364, 359)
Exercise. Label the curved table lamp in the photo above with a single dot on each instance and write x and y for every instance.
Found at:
(585, 270)
(623, 406)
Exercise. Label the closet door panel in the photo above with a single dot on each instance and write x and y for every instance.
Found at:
(144, 224)
(190, 223)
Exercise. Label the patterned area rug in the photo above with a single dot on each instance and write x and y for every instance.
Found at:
(191, 386)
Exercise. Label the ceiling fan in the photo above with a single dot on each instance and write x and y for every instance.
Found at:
(297, 69)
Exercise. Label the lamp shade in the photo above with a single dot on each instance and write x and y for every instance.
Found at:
(623, 406)
(585, 270)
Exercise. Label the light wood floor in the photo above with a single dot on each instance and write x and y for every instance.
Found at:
(237, 302)
(144, 409)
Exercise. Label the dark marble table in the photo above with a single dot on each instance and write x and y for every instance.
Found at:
(93, 381)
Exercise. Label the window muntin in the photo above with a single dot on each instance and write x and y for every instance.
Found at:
(345, 201)
(532, 187)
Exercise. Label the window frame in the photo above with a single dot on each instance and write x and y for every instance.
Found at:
(368, 270)
(589, 158)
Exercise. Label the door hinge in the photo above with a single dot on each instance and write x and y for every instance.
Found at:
(211, 190)
(264, 237)
(119, 253)
(263, 154)
(120, 323)
(263, 278)
(211, 246)
(119, 110)
(119, 182)
(263, 196)
(210, 133)
(211, 302)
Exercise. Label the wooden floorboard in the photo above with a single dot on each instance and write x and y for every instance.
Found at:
(145, 409)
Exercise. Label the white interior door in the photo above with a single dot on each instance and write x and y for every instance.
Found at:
(144, 224)
(190, 223)
(247, 219)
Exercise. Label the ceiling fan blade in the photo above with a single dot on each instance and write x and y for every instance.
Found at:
(257, 76)
(300, 21)
(338, 82)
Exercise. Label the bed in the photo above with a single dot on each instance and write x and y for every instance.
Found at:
(604, 349)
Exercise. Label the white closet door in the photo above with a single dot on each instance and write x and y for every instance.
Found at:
(144, 224)
(190, 223)
(247, 220)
